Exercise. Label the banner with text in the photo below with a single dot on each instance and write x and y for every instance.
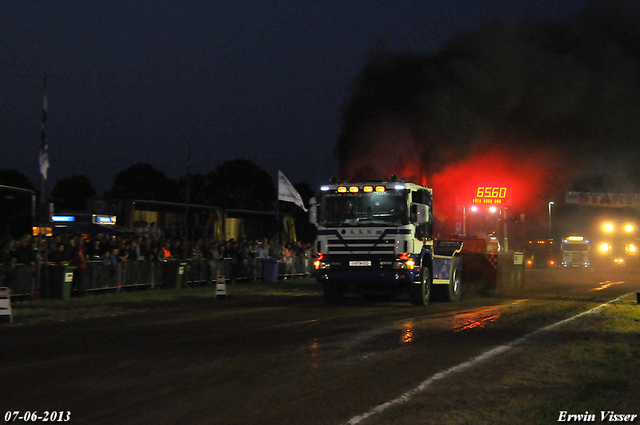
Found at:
(616, 200)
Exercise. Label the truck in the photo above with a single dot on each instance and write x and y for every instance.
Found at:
(541, 253)
(575, 252)
(377, 237)
(617, 243)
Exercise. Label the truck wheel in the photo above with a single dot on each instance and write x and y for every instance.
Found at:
(453, 291)
(421, 293)
(333, 294)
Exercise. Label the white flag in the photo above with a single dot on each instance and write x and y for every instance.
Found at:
(44, 144)
(288, 193)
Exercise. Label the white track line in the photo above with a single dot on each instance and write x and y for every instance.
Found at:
(470, 363)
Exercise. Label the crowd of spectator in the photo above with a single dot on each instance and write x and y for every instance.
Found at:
(77, 250)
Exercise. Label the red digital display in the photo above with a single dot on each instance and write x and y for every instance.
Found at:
(492, 195)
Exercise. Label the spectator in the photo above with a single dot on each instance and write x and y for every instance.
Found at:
(147, 251)
(40, 248)
(56, 254)
(153, 231)
(172, 232)
(94, 250)
(24, 251)
(196, 250)
(133, 252)
(115, 260)
(242, 259)
(251, 260)
(79, 261)
(261, 253)
(69, 244)
(139, 241)
(164, 253)
(229, 250)
(214, 256)
(8, 259)
(54, 242)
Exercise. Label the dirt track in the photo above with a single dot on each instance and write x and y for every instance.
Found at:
(270, 362)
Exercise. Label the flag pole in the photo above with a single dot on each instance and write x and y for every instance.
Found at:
(44, 165)
(278, 211)
(43, 147)
(188, 178)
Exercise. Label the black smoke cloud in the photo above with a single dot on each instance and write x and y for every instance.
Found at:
(570, 88)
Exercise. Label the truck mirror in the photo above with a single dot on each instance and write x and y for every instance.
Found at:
(419, 213)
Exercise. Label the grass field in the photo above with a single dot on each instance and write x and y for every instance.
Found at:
(589, 366)
(592, 366)
(99, 304)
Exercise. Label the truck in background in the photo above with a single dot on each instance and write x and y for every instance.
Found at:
(617, 243)
(575, 252)
(377, 237)
(541, 254)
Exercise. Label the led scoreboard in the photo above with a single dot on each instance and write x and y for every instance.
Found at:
(491, 195)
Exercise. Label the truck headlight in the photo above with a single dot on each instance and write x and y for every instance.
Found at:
(404, 262)
(321, 265)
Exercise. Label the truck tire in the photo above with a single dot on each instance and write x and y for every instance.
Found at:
(453, 290)
(333, 294)
(420, 294)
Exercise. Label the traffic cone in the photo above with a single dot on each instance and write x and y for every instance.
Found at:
(221, 288)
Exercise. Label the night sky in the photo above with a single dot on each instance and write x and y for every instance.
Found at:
(135, 81)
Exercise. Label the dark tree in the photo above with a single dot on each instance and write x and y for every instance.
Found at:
(143, 181)
(72, 194)
(16, 179)
(242, 184)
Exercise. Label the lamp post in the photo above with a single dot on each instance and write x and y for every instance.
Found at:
(550, 203)
(505, 238)
(464, 220)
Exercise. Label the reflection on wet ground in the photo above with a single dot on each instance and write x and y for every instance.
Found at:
(606, 284)
(374, 342)
(475, 320)
(406, 337)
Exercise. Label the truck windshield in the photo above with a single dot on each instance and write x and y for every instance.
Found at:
(363, 209)
(575, 247)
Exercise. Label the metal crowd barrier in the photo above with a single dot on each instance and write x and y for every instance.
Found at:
(102, 276)
(19, 279)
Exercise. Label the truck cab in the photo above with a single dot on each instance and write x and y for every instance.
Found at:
(575, 252)
(377, 237)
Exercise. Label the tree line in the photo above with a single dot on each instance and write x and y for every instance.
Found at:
(234, 184)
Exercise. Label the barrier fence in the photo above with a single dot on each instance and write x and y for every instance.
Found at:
(62, 281)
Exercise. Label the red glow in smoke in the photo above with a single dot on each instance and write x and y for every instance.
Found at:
(534, 174)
